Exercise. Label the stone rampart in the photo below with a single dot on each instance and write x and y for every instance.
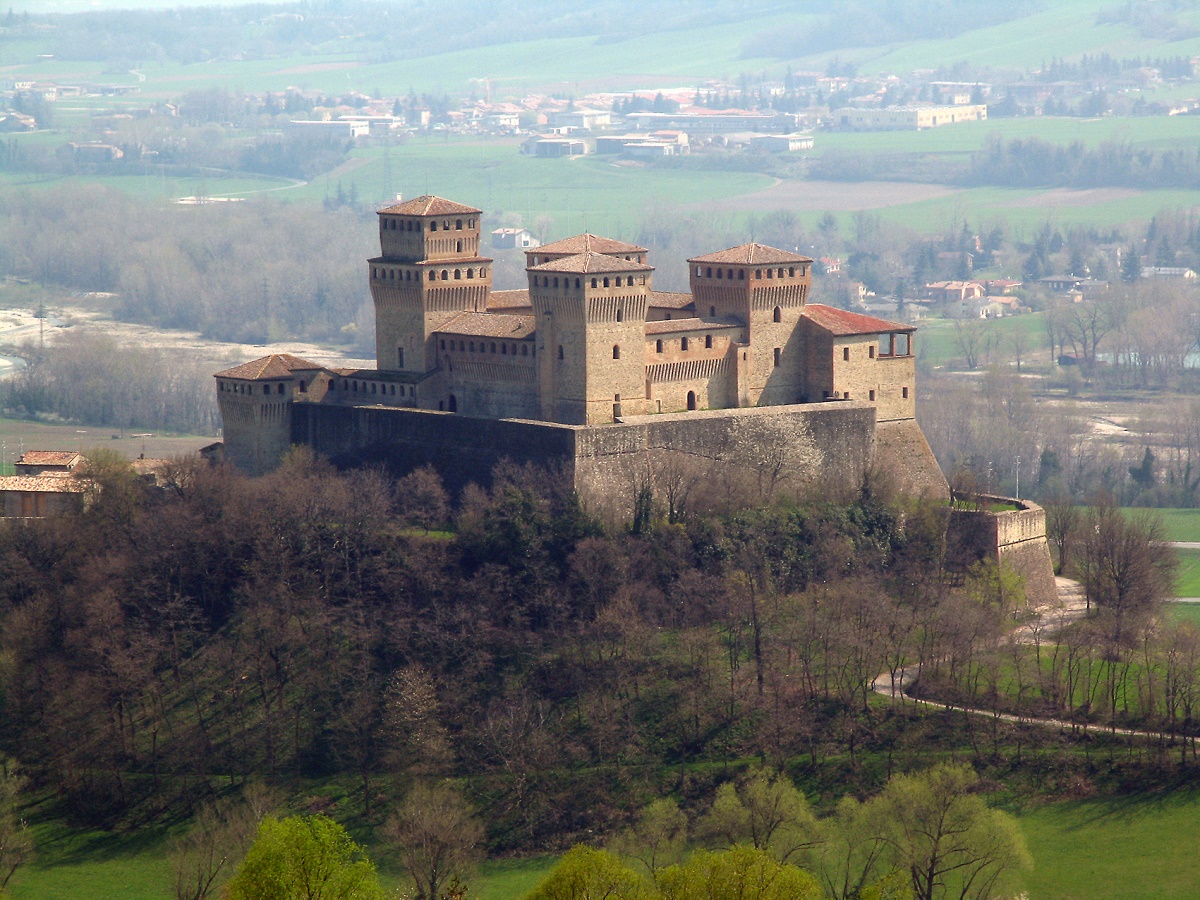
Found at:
(692, 460)
(1013, 537)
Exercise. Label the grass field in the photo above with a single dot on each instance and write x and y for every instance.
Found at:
(19, 435)
(1121, 848)
(937, 344)
(1181, 524)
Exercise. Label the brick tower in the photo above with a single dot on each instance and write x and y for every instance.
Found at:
(428, 272)
(591, 327)
(767, 289)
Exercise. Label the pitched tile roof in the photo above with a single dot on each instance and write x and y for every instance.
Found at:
(508, 299)
(750, 255)
(589, 262)
(59, 483)
(49, 458)
(277, 365)
(672, 326)
(495, 325)
(582, 243)
(429, 206)
(841, 322)
(670, 300)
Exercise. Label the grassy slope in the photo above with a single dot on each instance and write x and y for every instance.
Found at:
(1123, 848)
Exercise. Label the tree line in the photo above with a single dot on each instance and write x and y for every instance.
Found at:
(311, 624)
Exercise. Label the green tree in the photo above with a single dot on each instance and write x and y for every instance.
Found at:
(588, 874)
(764, 810)
(304, 858)
(739, 873)
(945, 836)
(658, 838)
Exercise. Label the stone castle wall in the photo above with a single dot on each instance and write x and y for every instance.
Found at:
(698, 457)
(1013, 537)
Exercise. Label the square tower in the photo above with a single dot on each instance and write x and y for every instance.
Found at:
(429, 271)
(766, 288)
(591, 330)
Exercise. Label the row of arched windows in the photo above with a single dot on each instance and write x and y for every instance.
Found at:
(353, 386)
(685, 343)
(727, 274)
(462, 346)
(413, 225)
(381, 274)
(547, 281)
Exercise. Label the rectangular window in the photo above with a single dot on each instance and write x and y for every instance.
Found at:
(400, 354)
(902, 345)
(846, 354)
(871, 395)
(904, 393)
(777, 355)
(871, 351)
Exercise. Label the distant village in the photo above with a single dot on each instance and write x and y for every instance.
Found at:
(771, 116)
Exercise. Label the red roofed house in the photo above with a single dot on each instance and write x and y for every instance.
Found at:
(43, 485)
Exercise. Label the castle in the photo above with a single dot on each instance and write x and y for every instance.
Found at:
(589, 342)
(737, 388)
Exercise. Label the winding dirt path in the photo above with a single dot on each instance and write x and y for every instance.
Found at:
(1071, 605)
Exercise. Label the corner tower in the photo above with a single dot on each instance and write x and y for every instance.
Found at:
(429, 270)
(591, 330)
(766, 288)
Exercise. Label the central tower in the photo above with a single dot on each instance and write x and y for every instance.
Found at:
(428, 272)
(591, 330)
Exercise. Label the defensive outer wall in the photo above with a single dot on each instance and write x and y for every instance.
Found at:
(1016, 538)
(830, 446)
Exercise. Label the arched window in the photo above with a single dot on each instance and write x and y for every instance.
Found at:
(470, 273)
(471, 346)
(658, 346)
(458, 247)
(524, 349)
(373, 386)
(777, 316)
(560, 351)
(741, 274)
(720, 273)
(708, 342)
(712, 311)
(770, 273)
(593, 282)
(697, 271)
(483, 273)
(458, 274)
(433, 226)
(616, 351)
(577, 283)
(445, 275)
(708, 272)
(629, 281)
(620, 314)
(493, 347)
(683, 343)
(791, 271)
(453, 405)
(442, 345)
(504, 349)
(691, 400)
(606, 281)
(729, 274)
(458, 224)
(432, 275)
(758, 273)
(556, 281)
(280, 391)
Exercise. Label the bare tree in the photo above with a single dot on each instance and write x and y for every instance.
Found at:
(437, 836)
(16, 843)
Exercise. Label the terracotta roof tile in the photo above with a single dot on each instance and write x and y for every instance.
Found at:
(430, 206)
(589, 262)
(60, 483)
(750, 255)
(508, 299)
(582, 243)
(49, 458)
(277, 365)
(670, 300)
(672, 326)
(496, 325)
(841, 322)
